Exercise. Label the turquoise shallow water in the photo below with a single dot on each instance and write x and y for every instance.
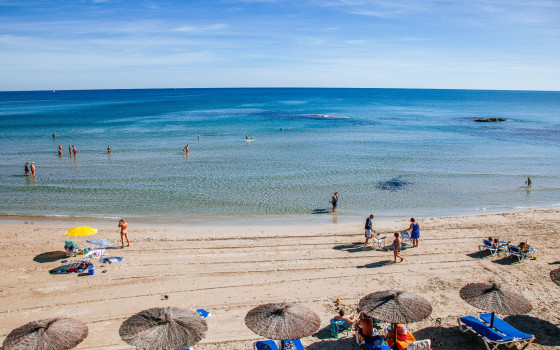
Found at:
(389, 151)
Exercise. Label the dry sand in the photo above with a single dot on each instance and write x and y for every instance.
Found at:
(229, 270)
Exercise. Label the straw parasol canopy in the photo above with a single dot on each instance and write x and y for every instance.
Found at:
(163, 328)
(282, 321)
(555, 276)
(395, 306)
(495, 298)
(47, 334)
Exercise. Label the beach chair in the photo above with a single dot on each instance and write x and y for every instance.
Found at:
(379, 242)
(406, 237)
(265, 345)
(521, 338)
(203, 313)
(338, 327)
(293, 344)
(515, 252)
(492, 338)
(487, 245)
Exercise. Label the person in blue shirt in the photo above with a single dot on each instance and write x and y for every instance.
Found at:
(368, 228)
(414, 229)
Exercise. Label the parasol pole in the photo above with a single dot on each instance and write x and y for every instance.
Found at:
(394, 329)
(492, 320)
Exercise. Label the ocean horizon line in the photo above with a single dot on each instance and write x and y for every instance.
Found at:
(282, 87)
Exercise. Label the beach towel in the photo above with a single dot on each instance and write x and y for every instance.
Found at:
(111, 259)
(71, 267)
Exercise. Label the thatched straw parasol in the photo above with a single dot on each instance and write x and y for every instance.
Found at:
(395, 306)
(47, 334)
(555, 276)
(495, 298)
(163, 328)
(282, 321)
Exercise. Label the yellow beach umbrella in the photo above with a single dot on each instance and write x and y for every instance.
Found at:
(81, 231)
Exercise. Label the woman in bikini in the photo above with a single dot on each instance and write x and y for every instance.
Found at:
(124, 233)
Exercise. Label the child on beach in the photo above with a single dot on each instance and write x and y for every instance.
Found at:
(397, 247)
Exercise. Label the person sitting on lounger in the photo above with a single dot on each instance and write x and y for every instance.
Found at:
(404, 338)
(497, 243)
(365, 330)
(349, 319)
(524, 247)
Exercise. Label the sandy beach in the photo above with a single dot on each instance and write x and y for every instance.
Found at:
(228, 270)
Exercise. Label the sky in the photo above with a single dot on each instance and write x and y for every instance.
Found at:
(440, 44)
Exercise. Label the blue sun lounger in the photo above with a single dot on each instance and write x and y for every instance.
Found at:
(514, 251)
(489, 335)
(503, 327)
(487, 245)
(265, 345)
(338, 327)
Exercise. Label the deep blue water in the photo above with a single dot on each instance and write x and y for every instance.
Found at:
(389, 151)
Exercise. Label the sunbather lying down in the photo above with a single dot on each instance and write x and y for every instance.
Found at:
(349, 319)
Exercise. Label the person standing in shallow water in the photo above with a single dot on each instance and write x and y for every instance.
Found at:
(26, 168)
(528, 182)
(32, 168)
(334, 201)
(124, 233)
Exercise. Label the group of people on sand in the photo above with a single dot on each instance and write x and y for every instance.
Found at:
(523, 247)
(366, 332)
(414, 229)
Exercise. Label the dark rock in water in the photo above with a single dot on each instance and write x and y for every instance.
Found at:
(487, 120)
(392, 185)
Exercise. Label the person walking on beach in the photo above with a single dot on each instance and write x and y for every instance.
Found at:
(528, 182)
(334, 201)
(414, 229)
(32, 168)
(124, 233)
(369, 226)
(26, 168)
(397, 248)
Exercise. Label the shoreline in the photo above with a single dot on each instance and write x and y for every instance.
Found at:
(228, 269)
(310, 219)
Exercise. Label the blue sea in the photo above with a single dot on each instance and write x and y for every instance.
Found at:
(392, 152)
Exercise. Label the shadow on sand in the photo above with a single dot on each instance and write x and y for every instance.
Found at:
(545, 332)
(375, 264)
(480, 255)
(506, 261)
(346, 341)
(449, 338)
(353, 247)
(50, 257)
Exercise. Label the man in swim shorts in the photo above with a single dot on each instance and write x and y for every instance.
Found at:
(369, 226)
(334, 201)
(26, 168)
(124, 233)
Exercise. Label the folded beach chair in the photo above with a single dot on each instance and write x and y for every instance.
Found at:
(487, 245)
(406, 237)
(424, 344)
(293, 344)
(515, 252)
(265, 345)
(503, 327)
(203, 313)
(338, 327)
(489, 335)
